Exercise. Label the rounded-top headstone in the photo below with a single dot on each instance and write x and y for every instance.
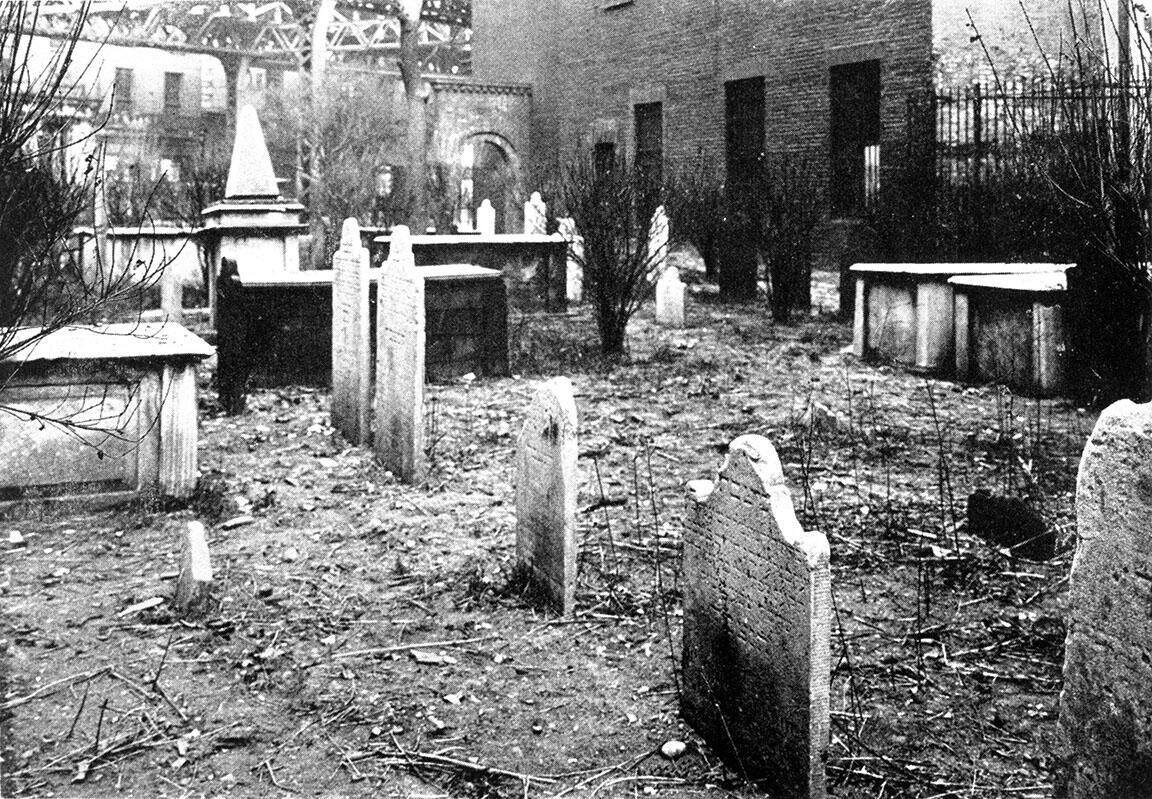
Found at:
(250, 174)
(400, 244)
(350, 234)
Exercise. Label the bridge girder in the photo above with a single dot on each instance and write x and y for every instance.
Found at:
(277, 30)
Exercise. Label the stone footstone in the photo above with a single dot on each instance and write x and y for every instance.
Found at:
(757, 623)
(194, 585)
(351, 356)
(400, 334)
(1106, 704)
(546, 495)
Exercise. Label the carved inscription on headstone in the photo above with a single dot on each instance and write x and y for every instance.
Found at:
(757, 621)
(400, 362)
(1106, 703)
(351, 354)
(546, 494)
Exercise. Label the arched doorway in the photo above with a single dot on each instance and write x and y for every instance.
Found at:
(495, 177)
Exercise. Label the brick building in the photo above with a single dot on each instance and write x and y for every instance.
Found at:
(668, 81)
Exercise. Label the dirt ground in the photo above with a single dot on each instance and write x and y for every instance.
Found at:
(367, 637)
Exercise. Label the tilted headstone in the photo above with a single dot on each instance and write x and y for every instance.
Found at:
(351, 353)
(670, 298)
(535, 215)
(757, 622)
(194, 584)
(546, 494)
(575, 274)
(486, 219)
(1106, 702)
(400, 362)
(657, 243)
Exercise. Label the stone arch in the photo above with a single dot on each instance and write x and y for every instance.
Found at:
(497, 175)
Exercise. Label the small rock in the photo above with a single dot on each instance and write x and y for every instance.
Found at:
(291, 554)
(673, 749)
(15, 538)
(237, 521)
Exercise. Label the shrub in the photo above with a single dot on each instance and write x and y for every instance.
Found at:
(789, 208)
(695, 206)
(606, 201)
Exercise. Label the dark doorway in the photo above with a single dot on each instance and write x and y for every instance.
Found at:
(649, 118)
(604, 157)
(492, 180)
(855, 141)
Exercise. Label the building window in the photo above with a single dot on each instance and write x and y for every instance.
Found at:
(604, 158)
(122, 91)
(855, 139)
(173, 81)
(744, 134)
(649, 120)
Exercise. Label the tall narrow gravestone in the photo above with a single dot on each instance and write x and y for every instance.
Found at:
(546, 494)
(1106, 703)
(574, 285)
(657, 243)
(351, 356)
(535, 215)
(757, 621)
(400, 362)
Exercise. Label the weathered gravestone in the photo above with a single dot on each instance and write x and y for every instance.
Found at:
(1106, 703)
(546, 494)
(535, 215)
(486, 219)
(400, 362)
(351, 353)
(670, 298)
(574, 286)
(757, 621)
(657, 243)
(194, 584)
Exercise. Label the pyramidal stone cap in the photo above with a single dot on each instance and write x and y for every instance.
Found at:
(250, 174)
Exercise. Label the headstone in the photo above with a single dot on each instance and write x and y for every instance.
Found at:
(757, 622)
(250, 172)
(536, 215)
(657, 243)
(1106, 704)
(351, 356)
(670, 298)
(486, 219)
(194, 585)
(400, 362)
(546, 494)
(574, 285)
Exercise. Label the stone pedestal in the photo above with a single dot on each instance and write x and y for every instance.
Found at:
(1010, 329)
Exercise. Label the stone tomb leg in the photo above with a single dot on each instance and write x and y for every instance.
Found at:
(546, 495)
(757, 622)
(400, 363)
(1106, 704)
(351, 357)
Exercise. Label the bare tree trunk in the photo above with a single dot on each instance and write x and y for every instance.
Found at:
(324, 13)
(416, 95)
